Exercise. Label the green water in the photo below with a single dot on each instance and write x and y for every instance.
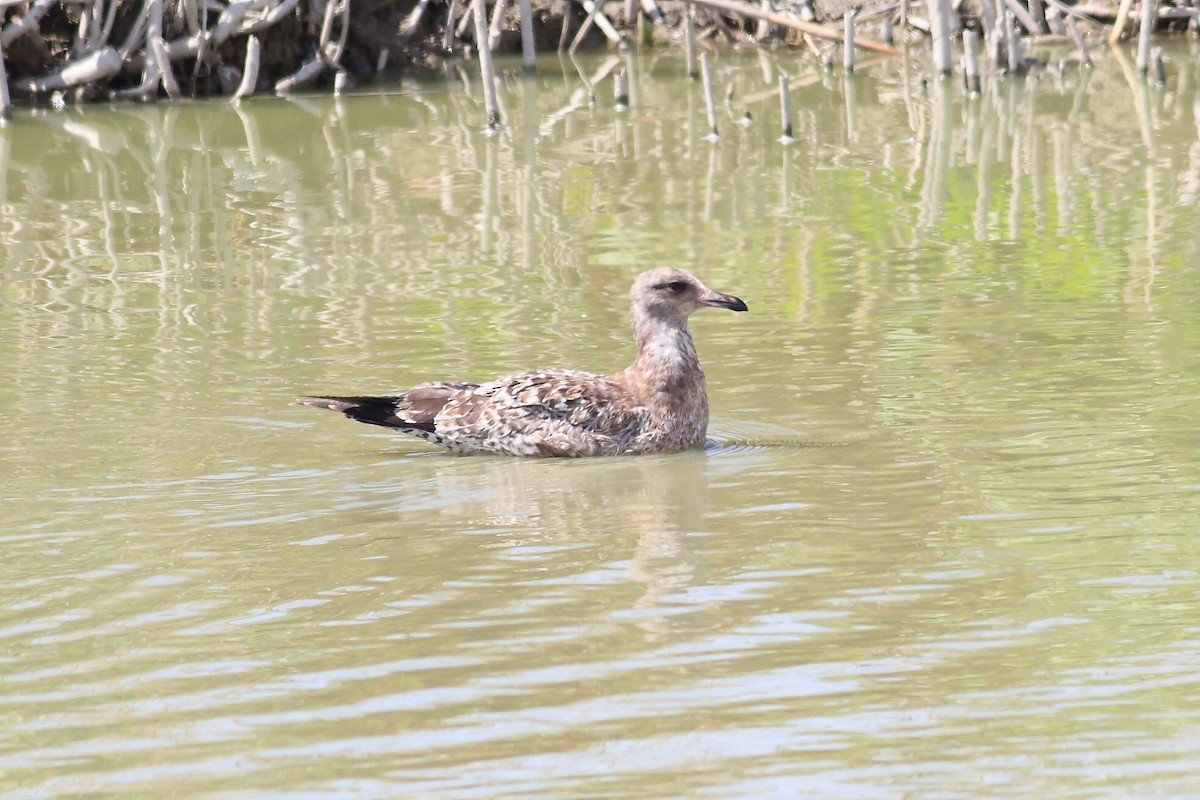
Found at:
(943, 542)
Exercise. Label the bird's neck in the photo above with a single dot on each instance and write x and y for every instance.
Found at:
(665, 345)
(667, 371)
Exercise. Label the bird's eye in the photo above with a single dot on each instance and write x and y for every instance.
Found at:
(678, 287)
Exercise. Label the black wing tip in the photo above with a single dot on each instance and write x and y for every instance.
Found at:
(369, 410)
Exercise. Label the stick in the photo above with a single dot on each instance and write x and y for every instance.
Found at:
(939, 31)
(971, 61)
(485, 67)
(528, 53)
(987, 15)
(331, 53)
(1038, 14)
(706, 77)
(848, 40)
(651, 10)
(785, 109)
(448, 33)
(307, 73)
(266, 20)
(408, 28)
(106, 31)
(1073, 27)
(104, 63)
(588, 21)
(621, 90)
(497, 25)
(188, 46)
(1016, 59)
(97, 22)
(1145, 32)
(191, 14)
(158, 49)
(326, 28)
(20, 27)
(602, 22)
(1022, 15)
(565, 29)
(1122, 18)
(466, 20)
(201, 27)
(79, 45)
(996, 45)
(250, 72)
(689, 40)
(1054, 20)
(5, 100)
(1160, 72)
(720, 25)
(789, 21)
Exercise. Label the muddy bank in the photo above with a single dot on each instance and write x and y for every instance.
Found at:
(60, 51)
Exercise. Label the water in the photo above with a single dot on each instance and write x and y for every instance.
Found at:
(942, 544)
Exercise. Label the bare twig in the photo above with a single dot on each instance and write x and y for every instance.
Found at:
(274, 15)
(5, 100)
(412, 22)
(1073, 28)
(250, 71)
(940, 29)
(498, 10)
(785, 109)
(528, 53)
(158, 60)
(602, 22)
(651, 9)
(307, 73)
(451, 17)
(789, 21)
(1156, 61)
(710, 102)
(104, 63)
(488, 74)
(586, 26)
(109, 19)
(18, 28)
(971, 61)
(1145, 34)
(1022, 15)
(1122, 17)
(689, 39)
(848, 39)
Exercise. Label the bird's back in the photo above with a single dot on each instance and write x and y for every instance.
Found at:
(553, 412)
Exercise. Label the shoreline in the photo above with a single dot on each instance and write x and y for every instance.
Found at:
(57, 52)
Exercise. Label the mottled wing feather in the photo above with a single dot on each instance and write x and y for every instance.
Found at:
(421, 404)
(546, 413)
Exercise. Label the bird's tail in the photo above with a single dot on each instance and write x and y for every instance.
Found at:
(371, 410)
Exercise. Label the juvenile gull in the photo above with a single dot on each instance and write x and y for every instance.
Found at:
(658, 404)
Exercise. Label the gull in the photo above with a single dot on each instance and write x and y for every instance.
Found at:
(658, 404)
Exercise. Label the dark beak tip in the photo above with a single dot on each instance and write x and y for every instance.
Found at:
(726, 301)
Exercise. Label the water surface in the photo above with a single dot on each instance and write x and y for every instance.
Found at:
(943, 542)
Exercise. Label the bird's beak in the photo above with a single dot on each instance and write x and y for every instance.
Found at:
(718, 300)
